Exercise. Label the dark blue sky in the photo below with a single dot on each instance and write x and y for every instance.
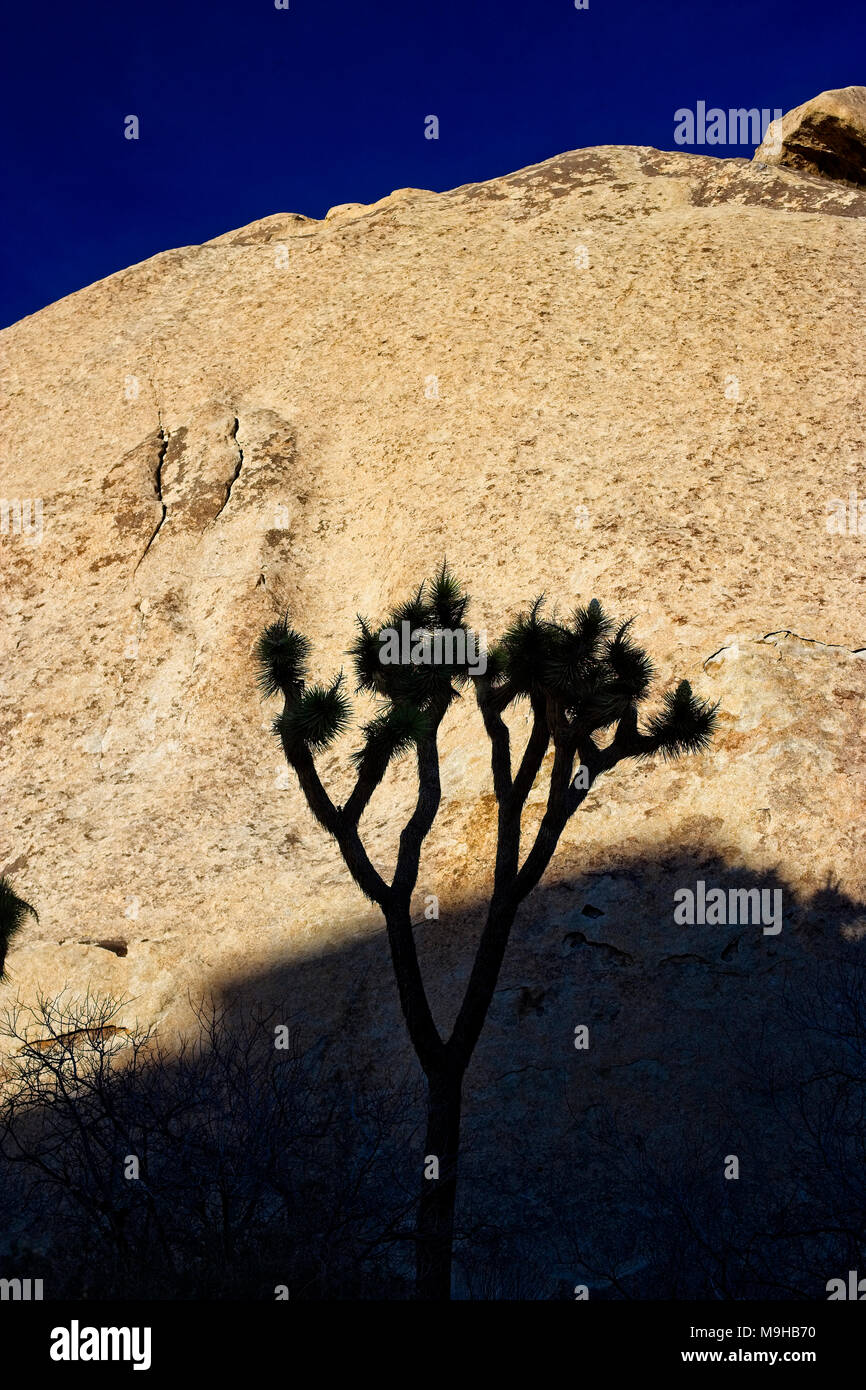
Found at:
(246, 110)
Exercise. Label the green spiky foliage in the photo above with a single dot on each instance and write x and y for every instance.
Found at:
(447, 600)
(314, 718)
(282, 655)
(13, 911)
(436, 609)
(685, 724)
(408, 695)
(415, 611)
(393, 732)
(586, 672)
(524, 651)
(596, 675)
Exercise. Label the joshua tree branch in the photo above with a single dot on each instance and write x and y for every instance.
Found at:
(426, 808)
(500, 740)
(344, 831)
(533, 755)
(555, 816)
(410, 987)
(511, 794)
(370, 774)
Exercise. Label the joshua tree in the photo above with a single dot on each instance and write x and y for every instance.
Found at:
(13, 910)
(579, 678)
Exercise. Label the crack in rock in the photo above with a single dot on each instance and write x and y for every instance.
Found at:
(612, 953)
(237, 473)
(157, 484)
(813, 641)
(65, 1041)
(786, 632)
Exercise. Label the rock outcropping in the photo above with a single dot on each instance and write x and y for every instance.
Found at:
(623, 373)
(826, 136)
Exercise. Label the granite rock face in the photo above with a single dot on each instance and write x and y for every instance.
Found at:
(825, 136)
(622, 373)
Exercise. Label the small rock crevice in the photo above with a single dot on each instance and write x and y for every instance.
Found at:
(611, 953)
(117, 945)
(237, 473)
(157, 486)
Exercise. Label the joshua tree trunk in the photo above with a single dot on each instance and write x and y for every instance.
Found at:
(435, 1229)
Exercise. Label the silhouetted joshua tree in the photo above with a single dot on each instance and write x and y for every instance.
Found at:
(580, 678)
(13, 910)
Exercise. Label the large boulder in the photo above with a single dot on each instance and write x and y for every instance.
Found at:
(622, 372)
(826, 136)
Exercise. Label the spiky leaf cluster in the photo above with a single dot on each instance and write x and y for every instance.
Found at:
(522, 655)
(315, 718)
(13, 911)
(436, 613)
(595, 673)
(594, 676)
(393, 732)
(282, 655)
(685, 724)
(591, 669)
(447, 600)
(411, 690)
